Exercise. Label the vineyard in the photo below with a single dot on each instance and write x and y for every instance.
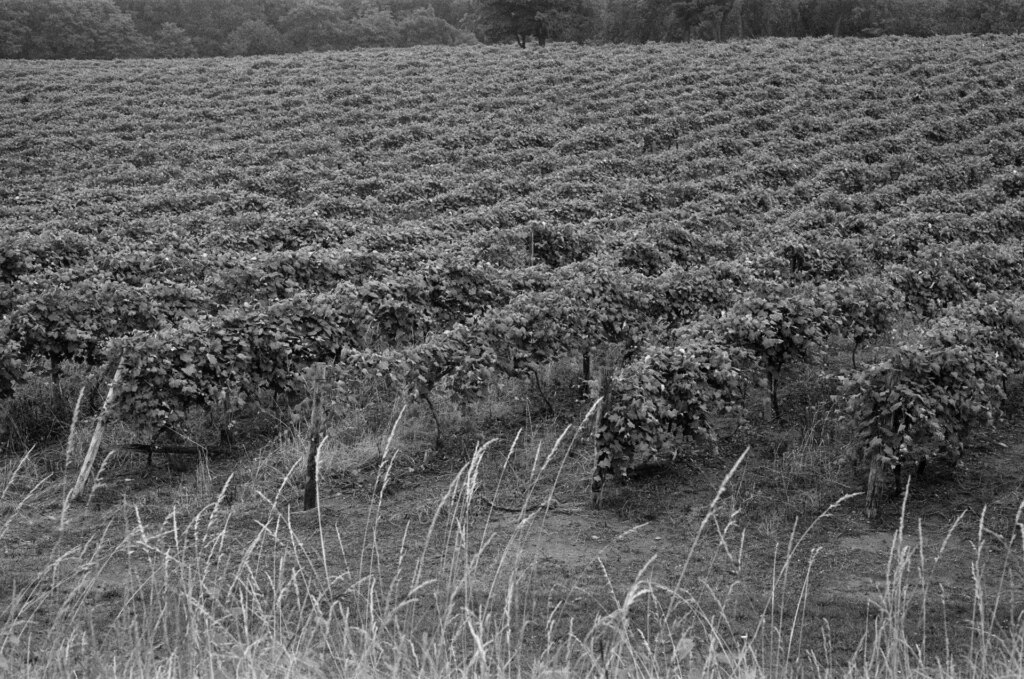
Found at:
(678, 238)
(435, 220)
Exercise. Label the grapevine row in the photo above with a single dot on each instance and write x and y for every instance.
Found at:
(675, 389)
(926, 398)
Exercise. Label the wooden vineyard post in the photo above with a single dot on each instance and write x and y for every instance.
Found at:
(876, 484)
(773, 391)
(97, 436)
(310, 494)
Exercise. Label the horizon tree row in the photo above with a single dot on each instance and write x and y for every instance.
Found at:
(107, 29)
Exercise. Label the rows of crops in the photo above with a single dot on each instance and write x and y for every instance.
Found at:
(435, 219)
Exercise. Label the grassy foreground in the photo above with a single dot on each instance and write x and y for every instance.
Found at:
(231, 582)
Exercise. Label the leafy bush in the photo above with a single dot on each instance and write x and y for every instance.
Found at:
(672, 392)
(866, 307)
(924, 401)
(10, 365)
(790, 324)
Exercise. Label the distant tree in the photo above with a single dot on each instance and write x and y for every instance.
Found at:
(253, 37)
(208, 23)
(577, 21)
(375, 26)
(761, 18)
(899, 17)
(988, 16)
(830, 17)
(458, 13)
(170, 28)
(423, 27)
(499, 20)
(15, 29)
(318, 25)
(80, 29)
(172, 41)
(690, 18)
(636, 21)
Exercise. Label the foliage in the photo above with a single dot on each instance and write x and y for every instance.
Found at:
(72, 323)
(926, 399)
(228, 223)
(56, 29)
(519, 19)
(866, 307)
(184, 28)
(950, 273)
(996, 322)
(669, 394)
(231, 358)
(10, 364)
(684, 295)
(317, 25)
(250, 38)
(424, 27)
(925, 393)
(561, 244)
(787, 325)
(61, 29)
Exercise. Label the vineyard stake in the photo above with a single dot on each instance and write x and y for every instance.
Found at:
(94, 444)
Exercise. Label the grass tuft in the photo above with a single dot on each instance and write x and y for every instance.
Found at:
(236, 582)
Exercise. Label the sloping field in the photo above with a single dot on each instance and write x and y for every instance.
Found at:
(807, 250)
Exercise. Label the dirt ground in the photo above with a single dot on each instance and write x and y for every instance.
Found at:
(585, 557)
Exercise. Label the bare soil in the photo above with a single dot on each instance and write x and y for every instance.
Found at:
(586, 557)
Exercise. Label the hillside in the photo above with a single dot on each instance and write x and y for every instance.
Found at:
(801, 254)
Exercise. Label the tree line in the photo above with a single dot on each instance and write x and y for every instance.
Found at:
(677, 20)
(103, 29)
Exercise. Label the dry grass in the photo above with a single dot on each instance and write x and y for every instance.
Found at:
(223, 585)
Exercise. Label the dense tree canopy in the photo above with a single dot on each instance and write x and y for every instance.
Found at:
(92, 29)
(504, 19)
(51, 29)
(56, 29)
